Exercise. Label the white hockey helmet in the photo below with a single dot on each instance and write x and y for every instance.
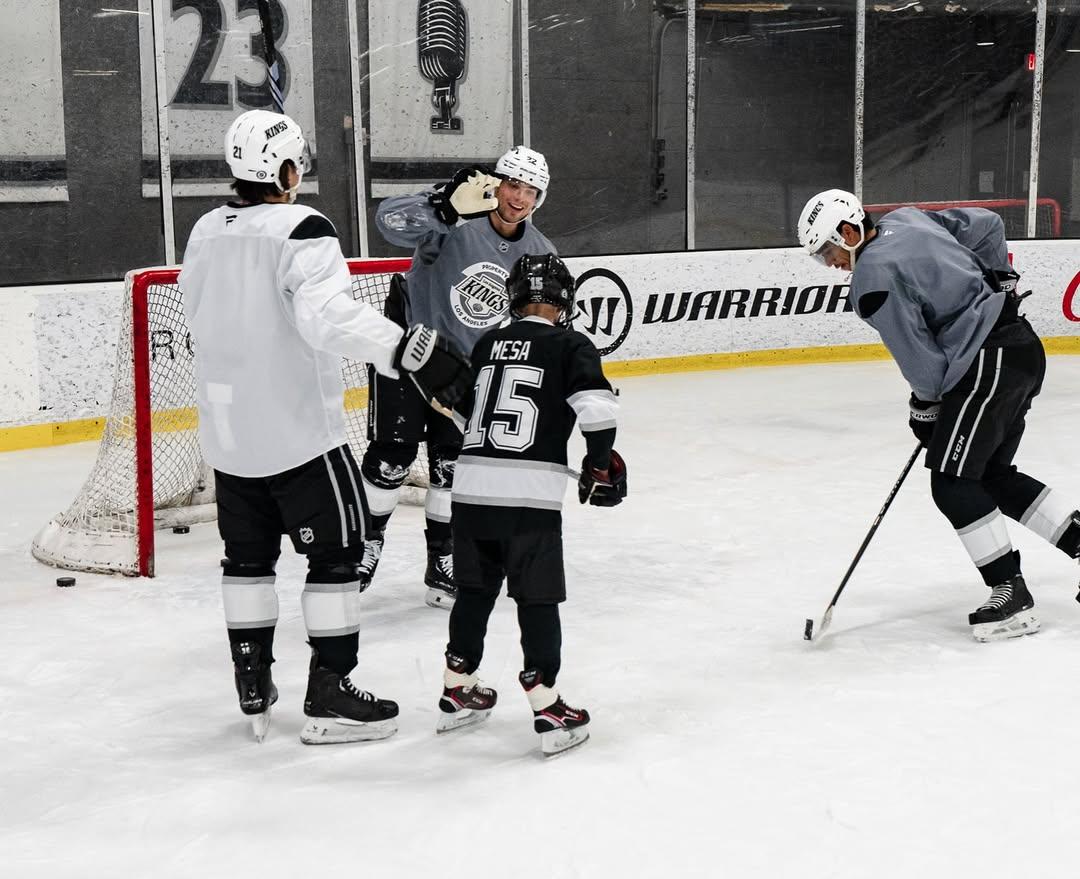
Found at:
(528, 166)
(821, 217)
(259, 142)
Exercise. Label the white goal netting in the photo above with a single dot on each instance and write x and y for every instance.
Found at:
(149, 472)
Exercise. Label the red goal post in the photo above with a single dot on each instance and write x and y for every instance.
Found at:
(149, 473)
(1013, 212)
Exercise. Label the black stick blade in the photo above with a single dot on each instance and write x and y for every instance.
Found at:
(808, 630)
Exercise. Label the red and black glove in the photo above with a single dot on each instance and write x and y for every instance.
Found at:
(603, 488)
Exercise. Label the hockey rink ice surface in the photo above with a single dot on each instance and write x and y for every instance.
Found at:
(723, 744)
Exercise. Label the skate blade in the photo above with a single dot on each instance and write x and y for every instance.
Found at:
(460, 719)
(338, 730)
(559, 741)
(438, 598)
(260, 725)
(1023, 622)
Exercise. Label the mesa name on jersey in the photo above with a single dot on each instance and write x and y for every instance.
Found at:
(533, 382)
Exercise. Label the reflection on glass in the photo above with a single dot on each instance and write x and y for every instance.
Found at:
(948, 107)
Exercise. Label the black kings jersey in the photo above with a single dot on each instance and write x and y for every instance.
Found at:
(533, 381)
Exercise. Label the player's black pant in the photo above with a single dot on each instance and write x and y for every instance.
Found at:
(320, 506)
(982, 420)
(399, 419)
(532, 565)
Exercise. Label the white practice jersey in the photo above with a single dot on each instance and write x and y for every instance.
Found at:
(268, 300)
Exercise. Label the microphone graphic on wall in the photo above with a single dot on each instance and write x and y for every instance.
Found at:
(442, 49)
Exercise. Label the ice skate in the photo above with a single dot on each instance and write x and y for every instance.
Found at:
(254, 686)
(1007, 613)
(439, 576)
(338, 711)
(560, 726)
(464, 701)
(373, 547)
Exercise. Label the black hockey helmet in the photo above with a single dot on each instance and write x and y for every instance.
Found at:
(541, 279)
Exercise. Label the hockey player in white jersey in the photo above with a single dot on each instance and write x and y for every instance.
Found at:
(267, 295)
(466, 235)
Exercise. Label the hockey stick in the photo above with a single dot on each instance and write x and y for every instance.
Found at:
(273, 69)
(808, 629)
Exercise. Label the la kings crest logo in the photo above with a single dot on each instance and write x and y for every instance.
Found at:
(479, 299)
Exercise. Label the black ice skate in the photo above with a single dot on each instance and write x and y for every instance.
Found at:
(465, 701)
(439, 576)
(1006, 614)
(339, 711)
(254, 686)
(560, 726)
(373, 547)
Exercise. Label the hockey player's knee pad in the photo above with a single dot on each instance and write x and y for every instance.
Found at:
(339, 566)
(233, 568)
(441, 462)
(961, 501)
(386, 464)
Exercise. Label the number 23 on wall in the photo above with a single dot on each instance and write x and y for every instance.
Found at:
(196, 87)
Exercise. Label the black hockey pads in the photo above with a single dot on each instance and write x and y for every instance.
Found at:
(922, 418)
(603, 488)
(441, 372)
(469, 194)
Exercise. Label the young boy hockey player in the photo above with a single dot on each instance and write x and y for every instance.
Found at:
(534, 378)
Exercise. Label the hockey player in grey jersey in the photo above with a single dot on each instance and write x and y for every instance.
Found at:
(938, 287)
(267, 295)
(466, 235)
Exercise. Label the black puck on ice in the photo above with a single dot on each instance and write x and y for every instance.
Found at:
(808, 630)
(181, 529)
(65, 581)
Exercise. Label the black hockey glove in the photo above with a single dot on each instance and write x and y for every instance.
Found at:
(922, 418)
(440, 371)
(470, 193)
(603, 488)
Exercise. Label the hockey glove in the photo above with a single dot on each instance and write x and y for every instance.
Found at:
(922, 418)
(469, 194)
(603, 488)
(440, 371)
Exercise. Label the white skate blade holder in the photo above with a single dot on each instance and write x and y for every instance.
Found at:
(438, 598)
(338, 730)
(260, 725)
(1023, 622)
(559, 741)
(460, 719)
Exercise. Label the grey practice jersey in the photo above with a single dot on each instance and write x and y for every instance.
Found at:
(921, 283)
(268, 299)
(457, 283)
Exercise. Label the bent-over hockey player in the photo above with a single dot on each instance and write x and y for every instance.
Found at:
(466, 235)
(267, 295)
(534, 378)
(938, 287)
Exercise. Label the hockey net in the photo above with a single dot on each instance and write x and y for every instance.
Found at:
(1013, 212)
(149, 473)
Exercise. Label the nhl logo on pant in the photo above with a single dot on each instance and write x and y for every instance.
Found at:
(306, 535)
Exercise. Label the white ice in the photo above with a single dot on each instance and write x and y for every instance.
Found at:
(723, 744)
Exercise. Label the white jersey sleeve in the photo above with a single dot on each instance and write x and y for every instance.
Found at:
(315, 274)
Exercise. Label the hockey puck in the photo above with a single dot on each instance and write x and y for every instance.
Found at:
(808, 630)
(65, 581)
(181, 529)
